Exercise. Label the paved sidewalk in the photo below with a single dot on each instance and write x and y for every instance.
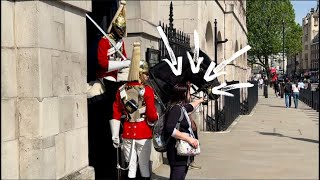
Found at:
(273, 142)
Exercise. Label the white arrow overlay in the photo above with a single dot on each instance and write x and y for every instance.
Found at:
(233, 57)
(196, 61)
(195, 68)
(177, 71)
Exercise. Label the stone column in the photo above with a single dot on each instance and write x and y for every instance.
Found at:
(142, 20)
(44, 90)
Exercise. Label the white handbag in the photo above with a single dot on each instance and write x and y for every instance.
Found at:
(183, 147)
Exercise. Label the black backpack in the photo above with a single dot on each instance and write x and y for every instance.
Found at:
(158, 139)
(287, 87)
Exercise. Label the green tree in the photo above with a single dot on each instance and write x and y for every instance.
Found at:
(264, 23)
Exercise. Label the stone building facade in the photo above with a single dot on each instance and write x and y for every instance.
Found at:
(44, 116)
(310, 25)
(43, 90)
(315, 53)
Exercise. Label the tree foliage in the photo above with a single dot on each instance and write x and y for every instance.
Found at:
(265, 22)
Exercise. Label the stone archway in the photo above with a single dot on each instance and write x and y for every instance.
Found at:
(209, 41)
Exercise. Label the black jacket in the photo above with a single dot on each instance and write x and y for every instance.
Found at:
(171, 121)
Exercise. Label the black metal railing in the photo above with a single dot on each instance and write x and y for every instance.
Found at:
(231, 109)
(178, 40)
(252, 98)
(309, 97)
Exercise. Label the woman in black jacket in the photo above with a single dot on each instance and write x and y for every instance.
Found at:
(179, 164)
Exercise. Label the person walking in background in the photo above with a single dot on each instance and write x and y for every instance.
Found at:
(260, 83)
(295, 91)
(301, 84)
(179, 164)
(276, 88)
(287, 93)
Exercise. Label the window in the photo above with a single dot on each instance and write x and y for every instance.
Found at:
(316, 19)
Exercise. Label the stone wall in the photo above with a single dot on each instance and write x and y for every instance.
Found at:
(44, 106)
(141, 26)
(142, 21)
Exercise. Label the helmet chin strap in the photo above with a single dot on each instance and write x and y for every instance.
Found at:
(115, 34)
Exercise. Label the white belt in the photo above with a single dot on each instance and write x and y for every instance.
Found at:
(137, 120)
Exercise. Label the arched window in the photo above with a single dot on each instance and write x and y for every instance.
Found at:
(209, 41)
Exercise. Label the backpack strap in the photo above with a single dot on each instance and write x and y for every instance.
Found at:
(178, 124)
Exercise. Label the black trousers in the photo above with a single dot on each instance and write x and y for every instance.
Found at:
(178, 172)
(102, 154)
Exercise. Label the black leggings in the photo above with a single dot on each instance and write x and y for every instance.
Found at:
(178, 172)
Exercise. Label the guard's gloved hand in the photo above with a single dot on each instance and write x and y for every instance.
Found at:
(115, 127)
(122, 75)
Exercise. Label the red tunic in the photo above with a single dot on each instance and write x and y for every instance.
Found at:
(137, 130)
(103, 58)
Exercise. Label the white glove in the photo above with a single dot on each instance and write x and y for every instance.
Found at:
(116, 65)
(115, 127)
(123, 75)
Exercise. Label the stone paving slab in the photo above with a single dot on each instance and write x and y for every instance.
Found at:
(273, 142)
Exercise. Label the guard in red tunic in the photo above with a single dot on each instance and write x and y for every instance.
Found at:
(136, 100)
(111, 50)
(112, 60)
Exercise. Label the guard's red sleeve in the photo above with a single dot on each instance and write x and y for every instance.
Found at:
(117, 107)
(124, 50)
(151, 110)
(103, 59)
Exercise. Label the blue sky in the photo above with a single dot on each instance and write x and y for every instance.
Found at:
(302, 8)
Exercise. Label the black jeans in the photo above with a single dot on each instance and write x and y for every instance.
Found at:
(178, 172)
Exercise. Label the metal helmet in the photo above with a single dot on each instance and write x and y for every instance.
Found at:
(118, 22)
(144, 68)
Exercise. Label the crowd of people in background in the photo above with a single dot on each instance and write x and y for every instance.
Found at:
(287, 88)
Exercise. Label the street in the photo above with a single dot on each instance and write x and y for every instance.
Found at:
(271, 143)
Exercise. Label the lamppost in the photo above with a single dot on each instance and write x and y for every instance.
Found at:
(216, 42)
(283, 46)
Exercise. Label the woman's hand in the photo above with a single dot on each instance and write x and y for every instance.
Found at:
(193, 142)
(196, 102)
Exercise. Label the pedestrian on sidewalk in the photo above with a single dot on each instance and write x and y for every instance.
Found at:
(179, 164)
(295, 91)
(288, 93)
(260, 83)
(276, 88)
